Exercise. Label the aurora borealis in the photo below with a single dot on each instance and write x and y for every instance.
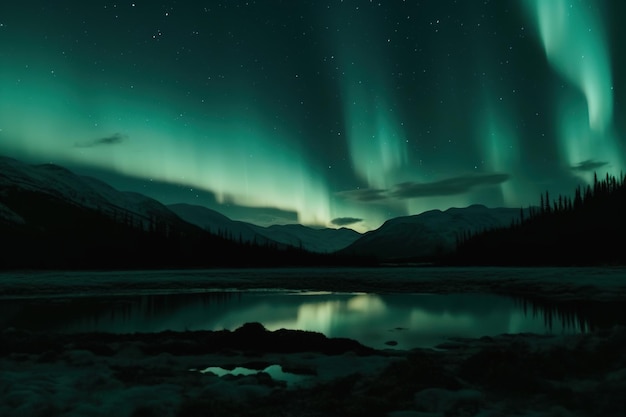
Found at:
(314, 111)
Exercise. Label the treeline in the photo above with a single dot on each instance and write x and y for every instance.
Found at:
(586, 229)
(60, 235)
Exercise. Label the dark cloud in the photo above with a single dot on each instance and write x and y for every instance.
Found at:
(345, 221)
(262, 216)
(588, 165)
(363, 194)
(411, 189)
(114, 139)
(449, 186)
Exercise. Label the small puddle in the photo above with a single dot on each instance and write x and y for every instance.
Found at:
(274, 371)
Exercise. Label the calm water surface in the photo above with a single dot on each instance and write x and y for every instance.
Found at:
(410, 320)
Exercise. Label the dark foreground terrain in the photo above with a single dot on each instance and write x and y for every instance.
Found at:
(295, 373)
(159, 374)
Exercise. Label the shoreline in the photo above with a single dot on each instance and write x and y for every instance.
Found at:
(589, 284)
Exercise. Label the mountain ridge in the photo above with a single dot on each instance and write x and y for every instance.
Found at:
(429, 234)
(324, 240)
(23, 187)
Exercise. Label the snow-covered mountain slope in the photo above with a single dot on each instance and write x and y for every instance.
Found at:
(217, 223)
(430, 233)
(60, 183)
(9, 216)
(315, 240)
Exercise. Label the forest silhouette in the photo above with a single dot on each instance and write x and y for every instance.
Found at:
(588, 229)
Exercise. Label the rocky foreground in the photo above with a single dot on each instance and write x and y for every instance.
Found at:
(161, 375)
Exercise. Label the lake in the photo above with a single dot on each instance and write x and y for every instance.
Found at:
(376, 320)
(413, 307)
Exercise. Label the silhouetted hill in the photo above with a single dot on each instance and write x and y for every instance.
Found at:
(218, 224)
(295, 235)
(52, 218)
(324, 240)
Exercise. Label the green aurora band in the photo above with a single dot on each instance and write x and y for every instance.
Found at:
(229, 157)
(573, 37)
(376, 100)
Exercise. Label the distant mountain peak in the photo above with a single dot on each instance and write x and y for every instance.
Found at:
(430, 233)
(54, 167)
(297, 235)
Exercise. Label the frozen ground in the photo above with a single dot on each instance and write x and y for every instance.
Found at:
(601, 284)
(159, 375)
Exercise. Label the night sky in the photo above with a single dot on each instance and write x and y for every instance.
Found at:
(324, 112)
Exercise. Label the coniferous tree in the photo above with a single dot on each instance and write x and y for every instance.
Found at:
(583, 229)
(588, 195)
(578, 199)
